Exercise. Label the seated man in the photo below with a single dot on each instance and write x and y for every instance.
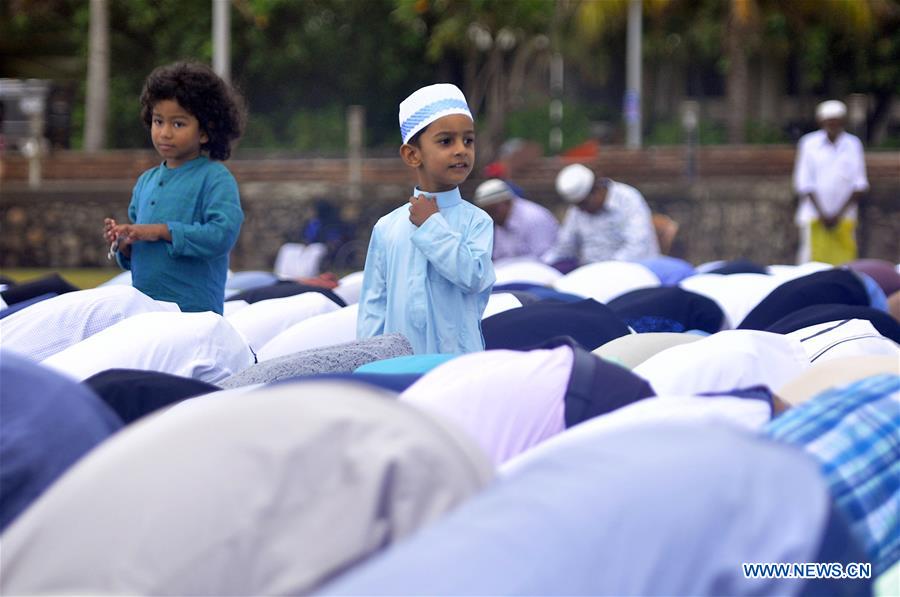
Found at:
(606, 221)
(522, 228)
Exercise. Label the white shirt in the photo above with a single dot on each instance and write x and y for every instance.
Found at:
(736, 294)
(349, 287)
(201, 346)
(606, 280)
(50, 326)
(500, 302)
(525, 270)
(836, 339)
(622, 230)
(326, 329)
(263, 320)
(833, 171)
(725, 361)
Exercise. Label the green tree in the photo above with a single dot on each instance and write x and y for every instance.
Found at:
(499, 44)
(301, 63)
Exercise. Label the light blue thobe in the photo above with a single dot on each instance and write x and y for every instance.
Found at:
(430, 283)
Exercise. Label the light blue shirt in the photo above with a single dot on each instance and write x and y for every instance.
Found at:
(430, 283)
(200, 203)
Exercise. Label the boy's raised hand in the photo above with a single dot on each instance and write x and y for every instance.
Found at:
(109, 226)
(421, 208)
(130, 233)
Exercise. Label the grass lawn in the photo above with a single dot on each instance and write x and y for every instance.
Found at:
(87, 277)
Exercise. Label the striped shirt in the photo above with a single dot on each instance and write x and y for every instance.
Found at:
(854, 433)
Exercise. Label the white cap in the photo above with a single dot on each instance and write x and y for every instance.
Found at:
(492, 191)
(427, 105)
(574, 183)
(831, 109)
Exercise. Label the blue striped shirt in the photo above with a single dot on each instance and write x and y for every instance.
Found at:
(854, 432)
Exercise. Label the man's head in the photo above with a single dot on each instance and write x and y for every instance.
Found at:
(578, 185)
(495, 197)
(831, 116)
(438, 136)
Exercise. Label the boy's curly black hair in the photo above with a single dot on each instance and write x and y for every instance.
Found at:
(198, 89)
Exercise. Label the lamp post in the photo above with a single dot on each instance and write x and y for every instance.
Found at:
(221, 33)
(632, 107)
(32, 104)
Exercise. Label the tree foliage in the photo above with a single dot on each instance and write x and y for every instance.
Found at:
(300, 63)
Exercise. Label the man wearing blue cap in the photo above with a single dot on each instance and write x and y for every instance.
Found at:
(428, 272)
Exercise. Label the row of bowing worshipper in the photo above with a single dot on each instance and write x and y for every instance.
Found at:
(631, 428)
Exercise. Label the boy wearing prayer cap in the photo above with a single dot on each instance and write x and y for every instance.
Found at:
(522, 228)
(428, 272)
(829, 178)
(606, 220)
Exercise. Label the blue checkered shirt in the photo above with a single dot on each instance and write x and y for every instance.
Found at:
(854, 432)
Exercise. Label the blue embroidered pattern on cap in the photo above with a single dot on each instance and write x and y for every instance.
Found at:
(429, 111)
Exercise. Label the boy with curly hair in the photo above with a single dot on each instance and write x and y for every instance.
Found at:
(186, 213)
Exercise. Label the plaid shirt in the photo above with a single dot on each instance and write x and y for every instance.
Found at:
(854, 432)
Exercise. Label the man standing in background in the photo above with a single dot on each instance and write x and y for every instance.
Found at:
(829, 178)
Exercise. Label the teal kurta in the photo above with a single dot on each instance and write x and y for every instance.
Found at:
(200, 203)
(430, 283)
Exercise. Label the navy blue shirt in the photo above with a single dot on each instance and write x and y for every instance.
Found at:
(47, 423)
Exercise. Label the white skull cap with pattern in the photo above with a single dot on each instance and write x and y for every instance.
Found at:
(492, 191)
(575, 182)
(427, 105)
(830, 110)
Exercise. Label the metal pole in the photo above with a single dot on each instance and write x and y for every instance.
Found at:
(97, 100)
(33, 105)
(222, 38)
(633, 76)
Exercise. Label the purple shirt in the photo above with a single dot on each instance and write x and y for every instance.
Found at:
(529, 231)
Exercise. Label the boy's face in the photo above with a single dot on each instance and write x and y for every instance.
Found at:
(175, 133)
(445, 153)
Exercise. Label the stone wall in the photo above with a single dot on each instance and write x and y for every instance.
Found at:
(748, 214)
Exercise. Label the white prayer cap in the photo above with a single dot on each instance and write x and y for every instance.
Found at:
(574, 183)
(492, 191)
(831, 109)
(427, 105)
